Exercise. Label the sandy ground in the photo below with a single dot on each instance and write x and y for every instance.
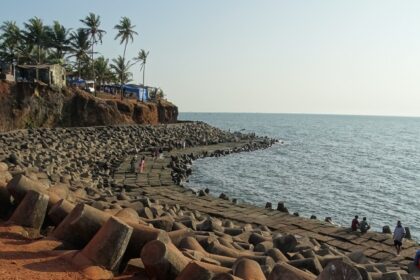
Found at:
(21, 258)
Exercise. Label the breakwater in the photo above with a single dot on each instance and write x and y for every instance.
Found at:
(367, 165)
(149, 225)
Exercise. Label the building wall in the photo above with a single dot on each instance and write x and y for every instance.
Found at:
(58, 75)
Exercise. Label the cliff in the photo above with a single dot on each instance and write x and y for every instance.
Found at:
(29, 105)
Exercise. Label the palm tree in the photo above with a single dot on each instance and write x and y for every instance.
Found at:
(79, 47)
(93, 23)
(121, 69)
(59, 40)
(11, 40)
(125, 32)
(142, 57)
(101, 69)
(35, 35)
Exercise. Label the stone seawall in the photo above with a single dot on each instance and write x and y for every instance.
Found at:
(82, 189)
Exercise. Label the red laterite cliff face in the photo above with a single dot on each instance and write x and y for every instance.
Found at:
(29, 105)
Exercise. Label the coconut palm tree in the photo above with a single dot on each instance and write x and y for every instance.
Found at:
(59, 40)
(79, 47)
(121, 69)
(102, 70)
(142, 57)
(92, 28)
(125, 32)
(11, 40)
(35, 35)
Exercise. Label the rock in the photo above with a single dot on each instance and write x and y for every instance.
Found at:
(3, 167)
(407, 233)
(386, 229)
(281, 207)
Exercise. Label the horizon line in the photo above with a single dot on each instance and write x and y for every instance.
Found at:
(314, 114)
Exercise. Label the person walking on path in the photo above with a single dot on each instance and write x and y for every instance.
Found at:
(133, 164)
(364, 226)
(399, 233)
(142, 163)
(355, 223)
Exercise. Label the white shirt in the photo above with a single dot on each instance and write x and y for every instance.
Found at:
(399, 233)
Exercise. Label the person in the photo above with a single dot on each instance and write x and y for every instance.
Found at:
(417, 259)
(364, 226)
(399, 233)
(355, 223)
(142, 163)
(133, 163)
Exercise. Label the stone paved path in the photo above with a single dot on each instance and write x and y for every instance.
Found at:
(156, 183)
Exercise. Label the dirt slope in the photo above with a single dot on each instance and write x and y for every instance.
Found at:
(27, 105)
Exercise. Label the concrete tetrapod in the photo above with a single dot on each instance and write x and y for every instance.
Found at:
(20, 184)
(79, 227)
(31, 210)
(59, 211)
(225, 276)
(285, 243)
(219, 249)
(201, 270)
(284, 271)
(311, 264)
(191, 243)
(248, 269)
(162, 260)
(108, 245)
(143, 234)
(177, 236)
(339, 270)
(5, 201)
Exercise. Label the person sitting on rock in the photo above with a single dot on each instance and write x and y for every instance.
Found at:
(364, 226)
(417, 259)
(355, 223)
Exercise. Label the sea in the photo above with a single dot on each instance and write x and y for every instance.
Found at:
(325, 165)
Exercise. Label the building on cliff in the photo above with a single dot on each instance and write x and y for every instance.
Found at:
(50, 74)
(6, 71)
(139, 92)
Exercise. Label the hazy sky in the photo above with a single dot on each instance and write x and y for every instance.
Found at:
(344, 57)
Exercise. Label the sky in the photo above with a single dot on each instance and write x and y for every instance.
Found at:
(270, 56)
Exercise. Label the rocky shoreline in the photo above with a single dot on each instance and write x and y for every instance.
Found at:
(75, 191)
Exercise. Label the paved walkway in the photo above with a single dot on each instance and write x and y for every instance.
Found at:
(156, 183)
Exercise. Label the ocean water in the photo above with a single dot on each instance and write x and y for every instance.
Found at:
(328, 165)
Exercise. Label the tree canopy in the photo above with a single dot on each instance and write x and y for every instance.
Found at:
(36, 42)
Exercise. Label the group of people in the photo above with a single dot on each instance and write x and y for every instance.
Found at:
(142, 162)
(363, 226)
